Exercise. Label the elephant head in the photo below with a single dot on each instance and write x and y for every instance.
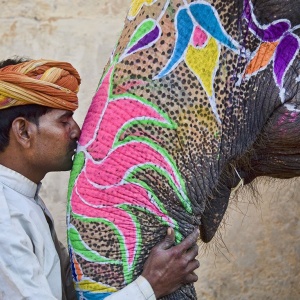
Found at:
(196, 96)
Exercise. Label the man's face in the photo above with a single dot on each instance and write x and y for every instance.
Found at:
(56, 141)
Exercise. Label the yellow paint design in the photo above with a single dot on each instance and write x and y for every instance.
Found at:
(136, 5)
(203, 62)
(86, 285)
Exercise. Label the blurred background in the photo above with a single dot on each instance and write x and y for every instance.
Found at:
(257, 252)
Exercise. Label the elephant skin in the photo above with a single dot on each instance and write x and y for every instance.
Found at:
(196, 96)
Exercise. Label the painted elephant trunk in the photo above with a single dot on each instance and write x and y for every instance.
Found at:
(172, 118)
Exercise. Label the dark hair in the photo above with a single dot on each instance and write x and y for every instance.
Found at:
(13, 61)
(31, 112)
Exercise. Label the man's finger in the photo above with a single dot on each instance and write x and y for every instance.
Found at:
(192, 252)
(168, 241)
(190, 278)
(193, 265)
(189, 241)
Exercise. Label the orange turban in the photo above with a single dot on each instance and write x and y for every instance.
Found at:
(45, 82)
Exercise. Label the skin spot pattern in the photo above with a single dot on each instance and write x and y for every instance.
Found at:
(184, 125)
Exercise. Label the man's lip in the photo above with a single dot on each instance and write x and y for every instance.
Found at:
(72, 153)
(73, 147)
(73, 150)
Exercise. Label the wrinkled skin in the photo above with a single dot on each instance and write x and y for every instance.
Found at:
(275, 153)
(195, 143)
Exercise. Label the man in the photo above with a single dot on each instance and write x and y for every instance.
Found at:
(39, 135)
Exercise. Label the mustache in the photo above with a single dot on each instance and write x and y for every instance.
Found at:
(73, 145)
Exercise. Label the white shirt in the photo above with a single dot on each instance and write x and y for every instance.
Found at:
(29, 263)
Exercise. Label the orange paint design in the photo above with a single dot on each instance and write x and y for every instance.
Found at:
(262, 57)
(77, 268)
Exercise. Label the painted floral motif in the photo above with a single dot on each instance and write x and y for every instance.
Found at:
(146, 34)
(199, 35)
(278, 45)
(136, 6)
(104, 184)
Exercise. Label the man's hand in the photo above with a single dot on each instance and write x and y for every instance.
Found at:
(168, 268)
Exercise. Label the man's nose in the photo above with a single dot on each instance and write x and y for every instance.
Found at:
(75, 132)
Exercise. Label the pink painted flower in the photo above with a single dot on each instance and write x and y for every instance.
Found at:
(106, 187)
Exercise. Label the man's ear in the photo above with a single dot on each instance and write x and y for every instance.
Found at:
(23, 131)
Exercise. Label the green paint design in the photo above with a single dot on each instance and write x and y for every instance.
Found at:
(78, 165)
(182, 195)
(73, 235)
(127, 269)
(178, 235)
(144, 28)
(168, 123)
(81, 248)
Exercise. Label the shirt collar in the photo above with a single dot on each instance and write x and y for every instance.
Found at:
(18, 182)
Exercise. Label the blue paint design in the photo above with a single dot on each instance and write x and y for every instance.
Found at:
(205, 15)
(72, 265)
(91, 296)
(184, 26)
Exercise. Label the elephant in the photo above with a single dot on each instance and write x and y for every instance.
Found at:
(197, 98)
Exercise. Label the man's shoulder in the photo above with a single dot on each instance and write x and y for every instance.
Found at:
(15, 207)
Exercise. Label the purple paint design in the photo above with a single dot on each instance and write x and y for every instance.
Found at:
(146, 40)
(285, 53)
(281, 121)
(270, 33)
(294, 116)
(288, 117)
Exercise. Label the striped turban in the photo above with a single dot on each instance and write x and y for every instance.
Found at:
(45, 82)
